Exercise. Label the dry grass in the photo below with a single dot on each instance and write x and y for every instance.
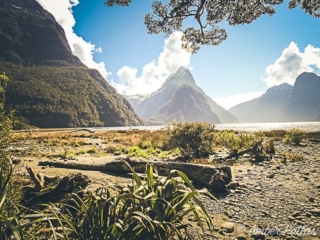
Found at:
(315, 135)
(55, 144)
(294, 157)
(279, 134)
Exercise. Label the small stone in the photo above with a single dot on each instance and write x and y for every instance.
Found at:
(228, 226)
(315, 211)
(16, 161)
(271, 175)
(258, 236)
(233, 185)
(241, 237)
(295, 214)
(291, 218)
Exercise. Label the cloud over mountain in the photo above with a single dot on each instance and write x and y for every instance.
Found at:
(154, 73)
(62, 12)
(291, 64)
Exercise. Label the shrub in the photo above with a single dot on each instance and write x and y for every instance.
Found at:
(151, 209)
(192, 139)
(295, 136)
(291, 156)
(237, 142)
(269, 146)
(67, 154)
(92, 150)
(134, 151)
(145, 144)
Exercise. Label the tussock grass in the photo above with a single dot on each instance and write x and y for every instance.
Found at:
(292, 157)
(275, 133)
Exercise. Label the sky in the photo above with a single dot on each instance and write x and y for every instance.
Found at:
(269, 51)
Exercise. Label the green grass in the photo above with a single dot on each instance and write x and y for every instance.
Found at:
(154, 208)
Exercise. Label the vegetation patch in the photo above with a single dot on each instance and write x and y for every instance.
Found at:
(295, 136)
(192, 139)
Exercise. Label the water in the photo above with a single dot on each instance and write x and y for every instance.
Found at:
(246, 127)
(252, 127)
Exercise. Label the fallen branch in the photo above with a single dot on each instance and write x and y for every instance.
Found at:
(38, 179)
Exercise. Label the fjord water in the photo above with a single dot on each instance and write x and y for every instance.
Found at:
(246, 127)
(253, 127)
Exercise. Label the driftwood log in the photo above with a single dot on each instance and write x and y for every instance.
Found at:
(209, 176)
(42, 193)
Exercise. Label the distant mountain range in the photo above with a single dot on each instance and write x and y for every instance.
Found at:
(302, 104)
(49, 86)
(265, 108)
(180, 99)
(284, 103)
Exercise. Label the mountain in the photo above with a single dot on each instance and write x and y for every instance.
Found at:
(187, 105)
(180, 99)
(49, 86)
(265, 108)
(303, 101)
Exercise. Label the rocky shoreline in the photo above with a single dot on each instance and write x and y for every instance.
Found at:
(274, 199)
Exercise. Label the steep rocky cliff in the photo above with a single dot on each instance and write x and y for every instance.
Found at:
(49, 86)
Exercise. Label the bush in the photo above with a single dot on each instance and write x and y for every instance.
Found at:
(134, 151)
(92, 150)
(295, 136)
(238, 142)
(291, 156)
(151, 209)
(269, 146)
(192, 139)
(145, 144)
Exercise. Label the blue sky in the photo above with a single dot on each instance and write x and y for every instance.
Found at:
(269, 51)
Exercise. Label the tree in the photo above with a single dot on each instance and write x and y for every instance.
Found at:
(207, 14)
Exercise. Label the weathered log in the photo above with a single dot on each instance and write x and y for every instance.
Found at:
(211, 177)
(69, 184)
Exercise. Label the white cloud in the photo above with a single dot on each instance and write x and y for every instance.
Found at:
(291, 64)
(62, 12)
(230, 101)
(154, 73)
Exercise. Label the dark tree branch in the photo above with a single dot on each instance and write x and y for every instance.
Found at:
(169, 17)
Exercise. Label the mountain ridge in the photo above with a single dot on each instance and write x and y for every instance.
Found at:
(150, 106)
(49, 86)
(284, 103)
(303, 102)
(265, 108)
